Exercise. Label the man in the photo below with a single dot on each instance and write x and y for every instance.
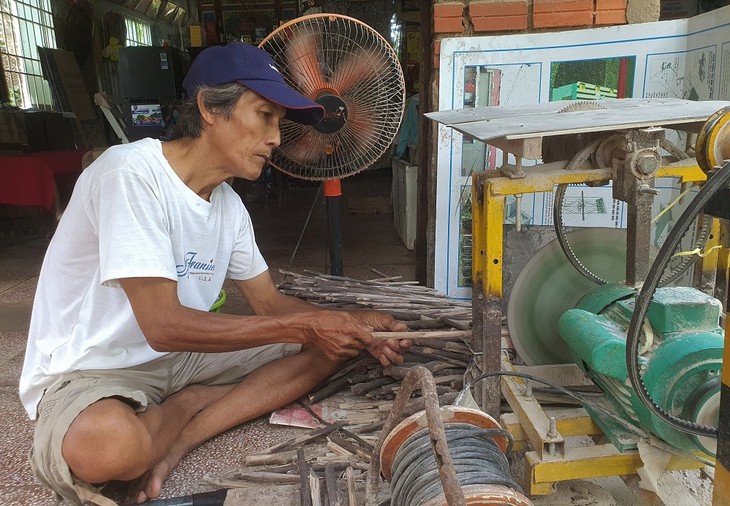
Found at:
(126, 370)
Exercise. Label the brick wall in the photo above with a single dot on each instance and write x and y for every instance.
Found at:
(490, 17)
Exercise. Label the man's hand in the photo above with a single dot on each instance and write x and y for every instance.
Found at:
(387, 351)
(338, 334)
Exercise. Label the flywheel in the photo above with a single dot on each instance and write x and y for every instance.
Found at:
(549, 285)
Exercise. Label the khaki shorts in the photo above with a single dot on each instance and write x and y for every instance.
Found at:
(140, 385)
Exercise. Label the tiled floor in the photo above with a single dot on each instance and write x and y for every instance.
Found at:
(369, 242)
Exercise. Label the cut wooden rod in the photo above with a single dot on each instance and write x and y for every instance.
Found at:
(350, 480)
(270, 458)
(305, 490)
(330, 482)
(446, 334)
(315, 488)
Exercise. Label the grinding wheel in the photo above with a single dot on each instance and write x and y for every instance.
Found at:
(548, 286)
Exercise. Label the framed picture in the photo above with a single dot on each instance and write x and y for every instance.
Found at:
(287, 14)
(233, 23)
(409, 5)
(207, 17)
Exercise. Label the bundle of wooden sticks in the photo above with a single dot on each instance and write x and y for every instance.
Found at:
(419, 307)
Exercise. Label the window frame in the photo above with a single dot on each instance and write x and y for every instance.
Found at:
(139, 33)
(25, 25)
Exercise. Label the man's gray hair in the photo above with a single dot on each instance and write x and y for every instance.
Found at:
(220, 100)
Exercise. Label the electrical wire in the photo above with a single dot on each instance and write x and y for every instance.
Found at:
(306, 223)
(594, 405)
(477, 461)
(715, 182)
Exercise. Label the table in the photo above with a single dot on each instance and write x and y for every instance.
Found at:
(30, 180)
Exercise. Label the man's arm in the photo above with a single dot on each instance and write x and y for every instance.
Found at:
(264, 298)
(169, 326)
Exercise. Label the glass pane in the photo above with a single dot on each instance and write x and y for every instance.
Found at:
(170, 12)
(154, 8)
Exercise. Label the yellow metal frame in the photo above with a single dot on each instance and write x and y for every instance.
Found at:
(489, 191)
(528, 425)
(589, 462)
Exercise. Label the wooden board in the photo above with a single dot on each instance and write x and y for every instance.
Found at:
(545, 120)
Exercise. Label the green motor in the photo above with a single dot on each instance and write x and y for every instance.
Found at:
(680, 357)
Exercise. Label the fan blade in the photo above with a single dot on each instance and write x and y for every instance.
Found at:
(303, 61)
(356, 67)
(361, 130)
(307, 149)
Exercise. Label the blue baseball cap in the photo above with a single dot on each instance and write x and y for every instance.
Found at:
(254, 69)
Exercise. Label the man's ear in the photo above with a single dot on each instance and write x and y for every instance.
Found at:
(207, 116)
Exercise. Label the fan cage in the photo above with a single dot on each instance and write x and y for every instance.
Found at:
(342, 56)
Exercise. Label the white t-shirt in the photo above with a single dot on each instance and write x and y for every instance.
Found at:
(130, 216)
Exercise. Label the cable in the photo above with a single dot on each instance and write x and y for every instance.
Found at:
(306, 223)
(715, 182)
(596, 406)
(477, 461)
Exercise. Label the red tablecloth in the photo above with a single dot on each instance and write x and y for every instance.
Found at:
(29, 180)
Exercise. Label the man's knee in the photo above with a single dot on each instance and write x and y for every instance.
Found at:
(320, 362)
(107, 442)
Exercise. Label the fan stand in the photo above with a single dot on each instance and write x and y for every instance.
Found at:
(333, 197)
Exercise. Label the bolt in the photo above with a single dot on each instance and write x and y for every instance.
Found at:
(551, 449)
(646, 163)
(528, 389)
(553, 428)
(645, 188)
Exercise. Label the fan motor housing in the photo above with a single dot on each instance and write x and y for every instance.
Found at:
(335, 116)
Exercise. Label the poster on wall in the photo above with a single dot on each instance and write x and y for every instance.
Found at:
(683, 58)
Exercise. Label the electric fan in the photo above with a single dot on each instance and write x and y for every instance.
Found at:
(352, 71)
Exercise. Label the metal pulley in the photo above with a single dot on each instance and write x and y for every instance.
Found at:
(713, 141)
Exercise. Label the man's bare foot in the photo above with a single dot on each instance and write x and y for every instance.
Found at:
(147, 487)
(150, 485)
(193, 399)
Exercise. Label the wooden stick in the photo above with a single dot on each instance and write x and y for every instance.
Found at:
(339, 450)
(350, 446)
(446, 334)
(269, 459)
(331, 485)
(361, 388)
(329, 390)
(315, 488)
(342, 429)
(305, 439)
(350, 477)
(305, 493)
(265, 477)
